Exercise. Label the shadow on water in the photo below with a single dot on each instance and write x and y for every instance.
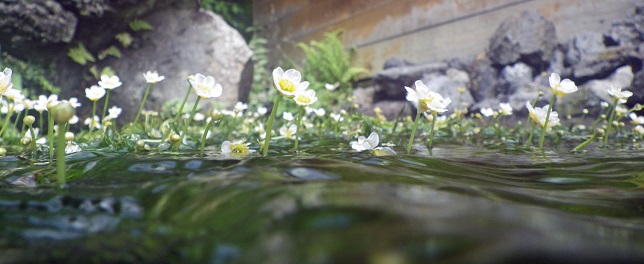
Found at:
(324, 205)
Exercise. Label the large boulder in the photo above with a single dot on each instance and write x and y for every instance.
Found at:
(390, 83)
(527, 37)
(41, 21)
(184, 42)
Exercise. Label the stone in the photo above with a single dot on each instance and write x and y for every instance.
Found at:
(513, 77)
(39, 21)
(184, 42)
(637, 86)
(392, 108)
(483, 79)
(527, 37)
(390, 83)
(582, 45)
(597, 89)
(628, 31)
(395, 63)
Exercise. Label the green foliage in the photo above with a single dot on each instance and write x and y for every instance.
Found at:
(112, 50)
(237, 13)
(137, 25)
(80, 54)
(262, 80)
(124, 38)
(30, 77)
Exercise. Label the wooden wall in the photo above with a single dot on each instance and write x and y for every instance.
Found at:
(418, 30)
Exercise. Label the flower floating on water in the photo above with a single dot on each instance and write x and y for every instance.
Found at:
(153, 77)
(288, 83)
(5, 81)
(205, 87)
(238, 147)
(371, 143)
(561, 88)
(538, 115)
(617, 93)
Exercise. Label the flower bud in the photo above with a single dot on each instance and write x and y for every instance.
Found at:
(216, 115)
(25, 140)
(69, 136)
(29, 120)
(599, 133)
(3, 152)
(175, 138)
(140, 144)
(63, 112)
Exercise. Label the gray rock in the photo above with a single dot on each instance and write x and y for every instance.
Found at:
(597, 89)
(391, 108)
(390, 83)
(637, 86)
(513, 77)
(364, 98)
(395, 63)
(583, 45)
(601, 65)
(484, 80)
(184, 43)
(528, 37)
(628, 31)
(40, 21)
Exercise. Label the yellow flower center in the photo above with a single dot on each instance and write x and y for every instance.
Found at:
(303, 99)
(287, 85)
(239, 148)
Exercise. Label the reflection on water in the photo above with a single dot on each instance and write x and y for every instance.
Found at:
(461, 204)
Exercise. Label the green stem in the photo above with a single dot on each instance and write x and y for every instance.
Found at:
(269, 125)
(610, 121)
(205, 133)
(6, 120)
(432, 129)
(91, 121)
(185, 128)
(107, 99)
(545, 124)
(40, 121)
(145, 98)
(413, 131)
(33, 139)
(297, 127)
(50, 136)
(531, 133)
(582, 145)
(185, 99)
(60, 155)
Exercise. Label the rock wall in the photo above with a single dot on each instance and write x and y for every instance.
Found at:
(521, 54)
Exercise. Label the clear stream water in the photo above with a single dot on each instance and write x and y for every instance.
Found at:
(461, 204)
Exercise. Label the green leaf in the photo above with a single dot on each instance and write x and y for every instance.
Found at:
(112, 50)
(80, 54)
(125, 39)
(140, 25)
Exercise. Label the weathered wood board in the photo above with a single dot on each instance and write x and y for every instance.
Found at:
(418, 30)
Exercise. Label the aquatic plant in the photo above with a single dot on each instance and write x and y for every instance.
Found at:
(425, 100)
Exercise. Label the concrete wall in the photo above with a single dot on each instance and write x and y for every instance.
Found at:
(418, 30)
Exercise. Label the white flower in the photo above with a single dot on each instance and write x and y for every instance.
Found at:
(41, 104)
(319, 112)
(603, 104)
(331, 87)
(109, 82)
(621, 109)
(506, 109)
(114, 112)
(617, 93)
(363, 143)
(288, 132)
(5, 81)
(262, 110)
(538, 115)
(15, 95)
(487, 112)
(205, 87)
(93, 122)
(73, 120)
(73, 101)
(426, 100)
(337, 117)
(240, 107)
(95, 93)
(639, 130)
(559, 87)
(288, 116)
(638, 120)
(199, 117)
(305, 97)
(238, 148)
(288, 83)
(152, 77)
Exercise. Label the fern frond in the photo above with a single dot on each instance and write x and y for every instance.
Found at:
(112, 50)
(140, 25)
(124, 38)
(80, 54)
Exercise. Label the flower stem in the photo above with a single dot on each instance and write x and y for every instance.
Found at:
(145, 98)
(176, 118)
(529, 141)
(610, 121)
(432, 129)
(269, 125)
(33, 139)
(583, 144)
(6, 120)
(50, 136)
(185, 128)
(413, 131)
(297, 127)
(60, 155)
(205, 133)
(91, 121)
(107, 99)
(545, 123)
